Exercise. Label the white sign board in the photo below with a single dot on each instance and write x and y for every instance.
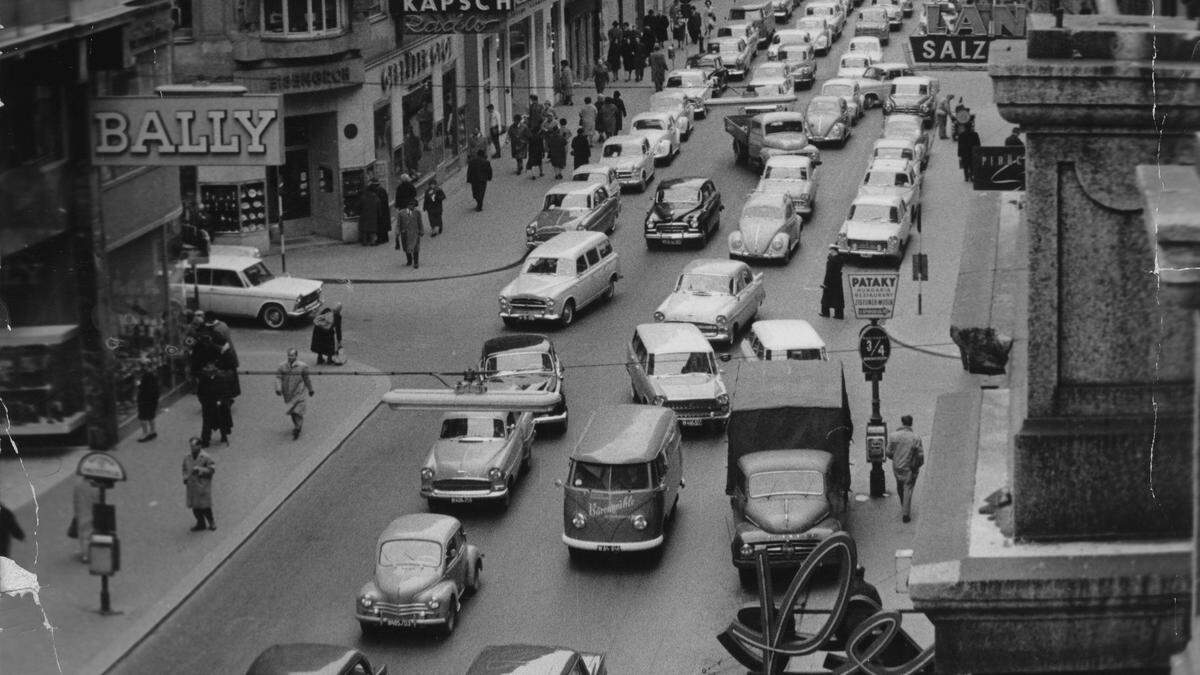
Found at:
(873, 294)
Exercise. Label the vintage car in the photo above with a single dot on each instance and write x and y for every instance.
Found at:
(828, 120)
(867, 46)
(910, 128)
(876, 82)
(794, 176)
(783, 340)
(623, 481)
(873, 22)
(720, 297)
(424, 567)
(478, 457)
(786, 502)
(831, 11)
(876, 226)
(758, 13)
(244, 287)
(658, 128)
(770, 78)
(573, 205)
(526, 362)
(916, 95)
(906, 7)
(684, 210)
(304, 658)
(852, 65)
(782, 9)
(769, 229)
(678, 104)
(697, 87)
(787, 37)
(560, 277)
(536, 660)
(632, 157)
(894, 177)
(818, 31)
(895, 14)
(735, 52)
(739, 29)
(801, 63)
(234, 250)
(850, 90)
(898, 148)
(598, 173)
(672, 365)
(713, 67)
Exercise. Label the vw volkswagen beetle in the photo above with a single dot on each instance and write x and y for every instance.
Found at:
(794, 176)
(720, 297)
(828, 119)
(769, 229)
(850, 90)
(573, 205)
(424, 568)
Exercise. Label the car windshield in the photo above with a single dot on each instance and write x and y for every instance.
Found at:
(825, 107)
(678, 194)
(784, 483)
(518, 361)
(910, 89)
(410, 553)
(874, 212)
(688, 80)
(611, 477)
(763, 212)
(795, 53)
(784, 126)
(791, 38)
(811, 23)
(838, 90)
(680, 364)
(786, 173)
(886, 179)
(890, 152)
(727, 48)
(592, 177)
(855, 62)
(703, 284)
(549, 266)
(618, 149)
(561, 200)
(472, 428)
(872, 15)
(258, 274)
(649, 123)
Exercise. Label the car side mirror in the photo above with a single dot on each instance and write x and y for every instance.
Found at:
(724, 357)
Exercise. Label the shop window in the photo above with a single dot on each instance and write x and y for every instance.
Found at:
(518, 39)
(181, 17)
(303, 18)
(32, 124)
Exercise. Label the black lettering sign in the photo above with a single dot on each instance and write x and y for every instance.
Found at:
(425, 24)
(950, 48)
(998, 167)
(412, 65)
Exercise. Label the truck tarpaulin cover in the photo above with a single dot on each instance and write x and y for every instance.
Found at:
(781, 405)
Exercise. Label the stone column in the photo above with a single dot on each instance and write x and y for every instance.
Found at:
(1104, 444)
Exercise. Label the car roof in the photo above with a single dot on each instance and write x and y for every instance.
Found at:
(889, 164)
(431, 526)
(693, 181)
(894, 143)
(671, 337)
(913, 79)
(881, 198)
(520, 659)
(713, 266)
(569, 187)
(592, 168)
(568, 243)
(516, 342)
(625, 139)
(617, 434)
(304, 658)
(823, 97)
(785, 460)
(769, 198)
(230, 261)
(790, 160)
(787, 334)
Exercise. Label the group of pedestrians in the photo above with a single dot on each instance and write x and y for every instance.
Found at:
(630, 48)
(213, 364)
(538, 136)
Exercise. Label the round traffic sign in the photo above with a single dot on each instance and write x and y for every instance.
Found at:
(874, 346)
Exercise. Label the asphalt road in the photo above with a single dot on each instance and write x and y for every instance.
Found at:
(296, 580)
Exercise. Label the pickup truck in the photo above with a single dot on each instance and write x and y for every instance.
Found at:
(757, 137)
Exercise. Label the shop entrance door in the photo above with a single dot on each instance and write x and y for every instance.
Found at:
(296, 194)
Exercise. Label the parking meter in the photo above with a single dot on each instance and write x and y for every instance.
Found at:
(876, 441)
(104, 554)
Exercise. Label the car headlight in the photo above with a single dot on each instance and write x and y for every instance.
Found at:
(837, 127)
(426, 473)
(531, 229)
(549, 302)
(503, 302)
(659, 316)
(735, 241)
(746, 550)
(433, 603)
(366, 601)
(722, 400)
(639, 521)
(579, 521)
(804, 197)
(924, 107)
(841, 240)
(722, 320)
(664, 145)
(778, 242)
(496, 475)
(889, 105)
(893, 242)
(659, 400)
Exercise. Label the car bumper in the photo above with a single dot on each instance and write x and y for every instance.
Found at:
(612, 546)
(531, 315)
(869, 252)
(769, 254)
(403, 619)
(310, 308)
(672, 237)
(628, 181)
(465, 496)
(553, 417)
(696, 417)
(779, 554)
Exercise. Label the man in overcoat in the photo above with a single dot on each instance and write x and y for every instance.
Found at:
(198, 469)
(832, 295)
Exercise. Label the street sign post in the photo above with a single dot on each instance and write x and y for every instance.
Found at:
(873, 294)
(875, 347)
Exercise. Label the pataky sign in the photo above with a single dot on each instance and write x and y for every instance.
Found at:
(873, 294)
(153, 131)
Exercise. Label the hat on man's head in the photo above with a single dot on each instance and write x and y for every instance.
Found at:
(405, 177)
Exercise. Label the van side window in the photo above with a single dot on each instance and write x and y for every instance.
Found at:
(660, 467)
(593, 256)
(605, 249)
(580, 265)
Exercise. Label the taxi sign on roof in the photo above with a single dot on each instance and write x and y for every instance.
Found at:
(873, 294)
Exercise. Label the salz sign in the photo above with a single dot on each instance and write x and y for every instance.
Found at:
(873, 294)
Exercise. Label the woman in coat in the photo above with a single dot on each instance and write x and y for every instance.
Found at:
(536, 151)
(556, 147)
(600, 76)
(435, 197)
(326, 334)
(629, 54)
(607, 118)
(518, 142)
(198, 469)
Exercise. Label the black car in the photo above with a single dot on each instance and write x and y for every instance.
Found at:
(526, 362)
(684, 210)
(307, 658)
(714, 68)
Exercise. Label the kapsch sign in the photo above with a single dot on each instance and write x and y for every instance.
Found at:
(152, 131)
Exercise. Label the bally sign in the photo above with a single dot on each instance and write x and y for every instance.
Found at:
(152, 131)
(950, 48)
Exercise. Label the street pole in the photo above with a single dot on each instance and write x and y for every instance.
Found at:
(878, 485)
(279, 201)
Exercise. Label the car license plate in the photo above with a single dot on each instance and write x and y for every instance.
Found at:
(691, 423)
(401, 623)
(461, 500)
(608, 548)
(673, 242)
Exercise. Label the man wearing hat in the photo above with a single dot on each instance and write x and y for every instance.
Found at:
(370, 212)
(832, 296)
(384, 225)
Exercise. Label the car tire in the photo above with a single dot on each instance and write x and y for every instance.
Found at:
(369, 630)
(447, 628)
(610, 290)
(273, 316)
(870, 102)
(748, 578)
(476, 581)
(510, 322)
(435, 505)
(568, 314)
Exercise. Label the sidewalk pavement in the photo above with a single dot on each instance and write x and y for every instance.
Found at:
(162, 562)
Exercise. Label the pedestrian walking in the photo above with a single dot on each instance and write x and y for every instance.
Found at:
(435, 198)
(370, 213)
(616, 42)
(622, 113)
(479, 172)
(679, 31)
(968, 140)
(198, 469)
(832, 295)
(607, 118)
(960, 119)
(217, 386)
(587, 118)
(908, 456)
(495, 126)
(9, 529)
(1014, 139)
(566, 82)
(293, 384)
(658, 67)
(581, 149)
(411, 227)
(534, 113)
(326, 334)
(84, 496)
(518, 142)
(662, 28)
(204, 371)
(383, 226)
(478, 142)
(556, 147)
(536, 148)
(942, 115)
(643, 57)
(218, 328)
(630, 44)
(406, 192)
(147, 400)
(694, 24)
(600, 76)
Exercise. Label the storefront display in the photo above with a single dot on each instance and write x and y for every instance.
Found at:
(235, 207)
(41, 380)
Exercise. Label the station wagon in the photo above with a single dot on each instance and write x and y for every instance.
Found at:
(560, 277)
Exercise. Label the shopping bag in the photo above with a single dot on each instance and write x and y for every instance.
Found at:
(340, 357)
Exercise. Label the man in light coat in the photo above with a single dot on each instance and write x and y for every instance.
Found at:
(293, 384)
(198, 469)
(411, 227)
(908, 456)
(658, 67)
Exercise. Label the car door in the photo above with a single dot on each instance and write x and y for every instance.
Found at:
(456, 568)
(227, 291)
(197, 284)
(607, 213)
(591, 221)
(584, 287)
(647, 157)
(752, 285)
(596, 279)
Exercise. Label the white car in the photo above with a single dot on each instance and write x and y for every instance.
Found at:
(787, 37)
(633, 159)
(598, 173)
(876, 226)
(866, 45)
(735, 52)
(696, 86)
(783, 339)
(717, 296)
(560, 277)
(853, 65)
(771, 78)
(818, 31)
(898, 177)
(895, 14)
(676, 103)
(898, 148)
(794, 176)
(658, 128)
(241, 286)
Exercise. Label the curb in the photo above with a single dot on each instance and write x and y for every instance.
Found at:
(464, 275)
(161, 610)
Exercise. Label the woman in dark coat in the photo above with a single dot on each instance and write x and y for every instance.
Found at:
(536, 152)
(147, 401)
(556, 147)
(629, 54)
(606, 119)
(518, 142)
(326, 334)
(581, 149)
(832, 296)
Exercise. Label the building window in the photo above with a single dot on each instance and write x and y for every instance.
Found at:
(181, 17)
(303, 18)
